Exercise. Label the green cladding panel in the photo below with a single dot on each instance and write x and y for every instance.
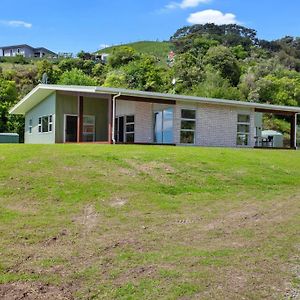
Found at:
(68, 105)
(44, 108)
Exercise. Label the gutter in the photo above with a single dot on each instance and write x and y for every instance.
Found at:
(114, 117)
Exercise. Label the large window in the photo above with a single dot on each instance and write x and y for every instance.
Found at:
(243, 130)
(188, 126)
(45, 124)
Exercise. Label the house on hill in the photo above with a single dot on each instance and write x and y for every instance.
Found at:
(25, 51)
(78, 114)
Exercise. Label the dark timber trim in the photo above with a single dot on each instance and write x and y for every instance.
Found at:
(148, 100)
(275, 112)
(293, 131)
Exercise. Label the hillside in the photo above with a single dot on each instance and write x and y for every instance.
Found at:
(158, 49)
(136, 222)
(226, 62)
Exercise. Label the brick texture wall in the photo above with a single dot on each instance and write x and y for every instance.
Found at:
(216, 125)
(143, 118)
(143, 122)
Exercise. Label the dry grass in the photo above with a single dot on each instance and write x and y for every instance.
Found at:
(133, 222)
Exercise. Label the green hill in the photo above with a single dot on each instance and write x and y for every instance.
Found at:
(146, 222)
(158, 49)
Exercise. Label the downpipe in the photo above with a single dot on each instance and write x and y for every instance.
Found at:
(114, 117)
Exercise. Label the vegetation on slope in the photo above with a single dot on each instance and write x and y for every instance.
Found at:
(156, 223)
(227, 61)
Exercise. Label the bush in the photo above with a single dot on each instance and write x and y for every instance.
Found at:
(122, 56)
(76, 77)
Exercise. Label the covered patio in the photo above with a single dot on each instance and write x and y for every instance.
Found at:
(268, 140)
(123, 126)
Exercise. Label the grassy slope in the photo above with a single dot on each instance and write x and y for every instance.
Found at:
(158, 49)
(134, 222)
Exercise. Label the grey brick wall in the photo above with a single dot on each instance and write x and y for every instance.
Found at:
(216, 125)
(143, 118)
(143, 122)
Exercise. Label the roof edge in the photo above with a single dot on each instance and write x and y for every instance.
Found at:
(152, 95)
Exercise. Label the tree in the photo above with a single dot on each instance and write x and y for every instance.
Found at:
(280, 89)
(145, 74)
(121, 56)
(116, 79)
(8, 97)
(86, 66)
(189, 71)
(85, 55)
(215, 86)
(228, 35)
(45, 67)
(68, 64)
(76, 77)
(239, 52)
(98, 70)
(223, 60)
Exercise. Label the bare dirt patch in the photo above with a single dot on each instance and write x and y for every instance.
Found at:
(33, 291)
(22, 207)
(293, 290)
(88, 220)
(118, 202)
(157, 170)
(127, 172)
(136, 274)
(252, 215)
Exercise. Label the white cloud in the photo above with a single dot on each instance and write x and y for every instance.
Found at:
(186, 4)
(212, 16)
(16, 23)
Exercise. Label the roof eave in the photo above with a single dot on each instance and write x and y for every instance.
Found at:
(19, 108)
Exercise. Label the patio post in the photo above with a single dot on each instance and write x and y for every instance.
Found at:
(293, 131)
(110, 119)
(80, 119)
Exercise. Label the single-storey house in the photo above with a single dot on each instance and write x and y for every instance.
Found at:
(79, 114)
(25, 51)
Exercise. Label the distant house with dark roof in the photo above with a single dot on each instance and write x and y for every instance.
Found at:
(25, 51)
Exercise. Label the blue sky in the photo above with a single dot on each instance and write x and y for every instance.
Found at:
(72, 26)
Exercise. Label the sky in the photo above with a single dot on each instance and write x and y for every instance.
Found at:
(75, 25)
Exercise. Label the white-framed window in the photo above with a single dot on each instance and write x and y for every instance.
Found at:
(188, 126)
(129, 129)
(30, 126)
(45, 124)
(243, 130)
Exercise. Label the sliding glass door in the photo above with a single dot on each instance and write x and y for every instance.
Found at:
(163, 126)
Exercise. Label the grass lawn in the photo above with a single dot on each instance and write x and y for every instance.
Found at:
(143, 222)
